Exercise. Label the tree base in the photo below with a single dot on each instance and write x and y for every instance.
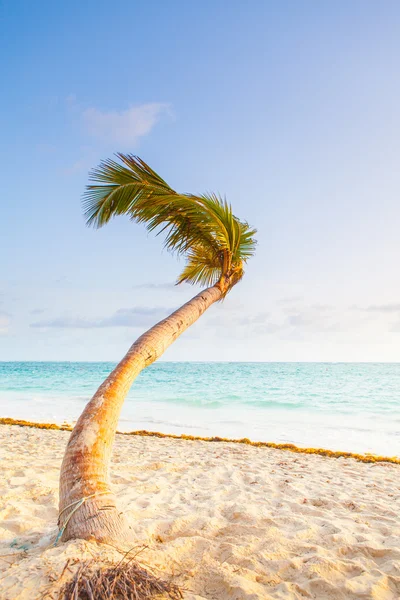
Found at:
(97, 519)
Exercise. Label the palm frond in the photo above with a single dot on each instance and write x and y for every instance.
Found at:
(118, 187)
(203, 266)
(203, 228)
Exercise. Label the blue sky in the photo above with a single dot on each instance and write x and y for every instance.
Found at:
(291, 109)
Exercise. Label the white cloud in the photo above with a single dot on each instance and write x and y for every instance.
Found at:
(126, 126)
(156, 286)
(82, 164)
(383, 308)
(4, 322)
(124, 317)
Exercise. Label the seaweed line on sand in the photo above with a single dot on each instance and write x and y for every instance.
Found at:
(365, 458)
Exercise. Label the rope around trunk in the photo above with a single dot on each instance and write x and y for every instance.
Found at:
(77, 504)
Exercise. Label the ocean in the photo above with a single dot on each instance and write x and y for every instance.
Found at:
(340, 406)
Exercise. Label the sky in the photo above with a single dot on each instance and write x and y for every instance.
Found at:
(289, 108)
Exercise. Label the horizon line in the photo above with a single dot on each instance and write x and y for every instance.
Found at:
(261, 362)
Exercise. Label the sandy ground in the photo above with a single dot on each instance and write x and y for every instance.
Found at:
(229, 521)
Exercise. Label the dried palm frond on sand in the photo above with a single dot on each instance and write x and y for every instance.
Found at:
(126, 580)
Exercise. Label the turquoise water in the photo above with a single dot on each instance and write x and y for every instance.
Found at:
(342, 406)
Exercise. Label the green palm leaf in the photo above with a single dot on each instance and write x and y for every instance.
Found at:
(203, 228)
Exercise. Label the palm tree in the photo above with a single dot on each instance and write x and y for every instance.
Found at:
(216, 245)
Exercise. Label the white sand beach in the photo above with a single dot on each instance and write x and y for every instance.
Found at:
(228, 521)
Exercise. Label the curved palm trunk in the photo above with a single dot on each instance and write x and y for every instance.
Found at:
(85, 468)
